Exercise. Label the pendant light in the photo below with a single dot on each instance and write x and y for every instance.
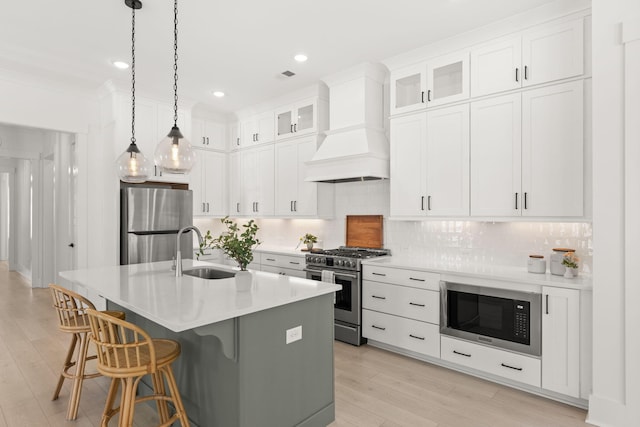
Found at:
(132, 165)
(174, 153)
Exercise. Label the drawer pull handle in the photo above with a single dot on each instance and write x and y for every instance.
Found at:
(270, 259)
(377, 297)
(416, 337)
(416, 304)
(378, 274)
(378, 327)
(511, 367)
(417, 280)
(294, 263)
(461, 354)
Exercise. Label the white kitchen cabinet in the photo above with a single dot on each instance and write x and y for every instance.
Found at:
(235, 184)
(402, 308)
(235, 133)
(447, 161)
(431, 83)
(293, 195)
(208, 135)
(286, 265)
(496, 66)
(553, 52)
(543, 54)
(527, 153)
(208, 184)
(257, 129)
(430, 163)
(552, 151)
(297, 119)
(496, 175)
(561, 340)
(258, 181)
(408, 88)
(513, 366)
(448, 79)
(407, 165)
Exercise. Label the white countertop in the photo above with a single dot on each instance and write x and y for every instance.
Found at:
(181, 303)
(483, 271)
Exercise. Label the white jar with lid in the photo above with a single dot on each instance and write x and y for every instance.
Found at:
(536, 264)
(555, 261)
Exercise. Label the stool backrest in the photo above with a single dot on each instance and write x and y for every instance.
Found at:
(71, 308)
(122, 347)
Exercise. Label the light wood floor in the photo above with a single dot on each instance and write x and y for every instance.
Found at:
(374, 388)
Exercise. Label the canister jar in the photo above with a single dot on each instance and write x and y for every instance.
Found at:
(536, 264)
(555, 260)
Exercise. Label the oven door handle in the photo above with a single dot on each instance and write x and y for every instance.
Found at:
(352, 276)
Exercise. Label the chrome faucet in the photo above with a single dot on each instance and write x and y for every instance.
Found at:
(178, 254)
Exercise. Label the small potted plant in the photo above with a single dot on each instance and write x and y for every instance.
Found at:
(237, 243)
(309, 239)
(570, 261)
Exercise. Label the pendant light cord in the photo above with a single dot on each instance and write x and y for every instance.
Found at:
(133, 74)
(175, 63)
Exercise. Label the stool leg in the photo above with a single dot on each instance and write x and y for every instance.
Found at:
(74, 400)
(111, 398)
(67, 363)
(159, 389)
(128, 402)
(175, 394)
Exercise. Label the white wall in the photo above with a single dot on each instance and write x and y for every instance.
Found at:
(22, 218)
(616, 379)
(4, 216)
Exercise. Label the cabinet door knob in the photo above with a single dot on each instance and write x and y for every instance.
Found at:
(202, 206)
(207, 207)
(295, 127)
(517, 79)
(525, 200)
(526, 74)
(422, 99)
(238, 207)
(203, 141)
(429, 95)
(207, 140)
(516, 201)
(428, 203)
(422, 203)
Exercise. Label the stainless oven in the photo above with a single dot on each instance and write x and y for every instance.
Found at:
(347, 304)
(498, 317)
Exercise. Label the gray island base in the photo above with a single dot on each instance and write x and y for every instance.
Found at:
(241, 373)
(260, 358)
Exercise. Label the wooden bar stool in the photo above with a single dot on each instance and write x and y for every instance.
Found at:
(126, 353)
(72, 317)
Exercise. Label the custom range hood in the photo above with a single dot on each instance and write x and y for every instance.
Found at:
(356, 148)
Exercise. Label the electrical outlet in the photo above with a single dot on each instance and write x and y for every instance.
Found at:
(294, 334)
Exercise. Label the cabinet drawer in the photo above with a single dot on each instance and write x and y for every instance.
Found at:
(418, 304)
(284, 271)
(285, 261)
(516, 367)
(412, 335)
(402, 277)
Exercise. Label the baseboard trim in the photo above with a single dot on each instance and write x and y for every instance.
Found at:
(604, 412)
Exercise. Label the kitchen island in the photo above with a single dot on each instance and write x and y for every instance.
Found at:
(262, 357)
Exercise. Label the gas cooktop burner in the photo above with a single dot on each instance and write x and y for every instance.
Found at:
(361, 253)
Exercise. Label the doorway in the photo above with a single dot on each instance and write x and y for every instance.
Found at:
(37, 221)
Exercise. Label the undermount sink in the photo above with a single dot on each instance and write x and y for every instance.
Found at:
(209, 273)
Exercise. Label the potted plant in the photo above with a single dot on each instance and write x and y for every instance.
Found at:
(237, 242)
(309, 239)
(570, 261)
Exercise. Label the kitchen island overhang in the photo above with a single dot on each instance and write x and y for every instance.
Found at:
(236, 367)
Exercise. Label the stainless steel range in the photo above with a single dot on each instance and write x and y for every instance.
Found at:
(345, 263)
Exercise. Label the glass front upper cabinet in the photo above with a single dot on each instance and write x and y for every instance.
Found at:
(297, 119)
(435, 82)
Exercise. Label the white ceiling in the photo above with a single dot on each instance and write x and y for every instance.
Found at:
(237, 46)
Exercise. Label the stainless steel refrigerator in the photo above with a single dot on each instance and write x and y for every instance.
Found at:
(150, 220)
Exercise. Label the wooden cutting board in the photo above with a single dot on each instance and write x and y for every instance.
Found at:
(364, 231)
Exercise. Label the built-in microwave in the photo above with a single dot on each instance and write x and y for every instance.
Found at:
(498, 317)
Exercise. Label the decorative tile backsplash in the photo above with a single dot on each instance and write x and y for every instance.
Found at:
(447, 242)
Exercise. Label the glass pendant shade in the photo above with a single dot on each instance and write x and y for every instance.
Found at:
(174, 153)
(132, 165)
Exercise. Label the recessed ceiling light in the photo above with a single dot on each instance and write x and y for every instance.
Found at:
(120, 64)
(301, 57)
(218, 94)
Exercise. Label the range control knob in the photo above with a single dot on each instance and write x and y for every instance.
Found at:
(352, 264)
(341, 262)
